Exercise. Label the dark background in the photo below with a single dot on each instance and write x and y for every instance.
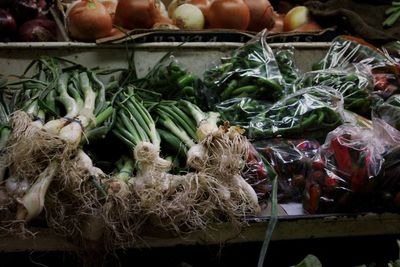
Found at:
(338, 252)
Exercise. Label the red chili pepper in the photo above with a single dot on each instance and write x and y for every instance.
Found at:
(318, 164)
(314, 194)
(360, 175)
(330, 182)
(342, 156)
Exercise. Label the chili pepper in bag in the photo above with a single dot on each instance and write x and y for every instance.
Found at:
(285, 58)
(250, 71)
(351, 162)
(291, 161)
(257, 172)
(311, 112)
(312, 198)
(346, 50)
(240, 111)
(355, 86)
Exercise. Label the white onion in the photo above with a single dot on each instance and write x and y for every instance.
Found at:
(189, 17)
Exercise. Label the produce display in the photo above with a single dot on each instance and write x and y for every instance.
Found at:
(193, 152)
(89, 20)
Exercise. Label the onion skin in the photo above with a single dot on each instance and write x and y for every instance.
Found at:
(136, 14)
(88, 20)
(261, 15)
(111, 6)
(38, 30)
(229, 14)
(295, 18)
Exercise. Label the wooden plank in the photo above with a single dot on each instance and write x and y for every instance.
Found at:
(288, 228)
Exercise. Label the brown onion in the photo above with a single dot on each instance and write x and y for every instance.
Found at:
(261, 15)
(229, 14)
(88, 20)
(136, 14)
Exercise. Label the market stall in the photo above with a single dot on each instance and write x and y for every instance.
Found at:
(168, 137)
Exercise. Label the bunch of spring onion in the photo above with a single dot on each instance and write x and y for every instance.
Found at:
(61, 106)
(182, 125)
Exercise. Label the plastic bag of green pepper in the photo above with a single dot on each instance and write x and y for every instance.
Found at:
(309, 113)
(346, 50)
(354, 82)
(250, 71)
(240, 111)
(343, 177)
(285, 57)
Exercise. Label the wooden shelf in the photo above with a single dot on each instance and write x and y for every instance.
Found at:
(288, 228)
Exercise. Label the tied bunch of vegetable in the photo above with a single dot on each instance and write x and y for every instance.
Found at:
(211, 185)
(250, 71)
(60, 106)
(310, 112)
(355, 86)
(27, 21)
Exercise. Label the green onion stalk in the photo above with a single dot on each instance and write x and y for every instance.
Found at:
(136, 128)
(67, 104)
(218, 151)
(183, 126)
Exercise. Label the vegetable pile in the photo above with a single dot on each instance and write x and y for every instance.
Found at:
(26, 21)
(190, 152)
(88, 20)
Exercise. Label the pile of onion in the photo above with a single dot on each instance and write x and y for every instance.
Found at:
(88, 20)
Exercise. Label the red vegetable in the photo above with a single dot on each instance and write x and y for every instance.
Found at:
(88, 20)
(314, 194)
(25, 10)
(136, 14)
(229, 14)
(38, 30)
(8, 26)
(261, 15)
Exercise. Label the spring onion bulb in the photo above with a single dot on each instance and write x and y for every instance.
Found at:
(32, 203)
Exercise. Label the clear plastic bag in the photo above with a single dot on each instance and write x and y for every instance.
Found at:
(343, 177)
(285, 57)
(250, 71)
(346, 50)
(389, 111)
(240, 111)
(354, 82)
(309, 113)
(291, 160)
(259, 173)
